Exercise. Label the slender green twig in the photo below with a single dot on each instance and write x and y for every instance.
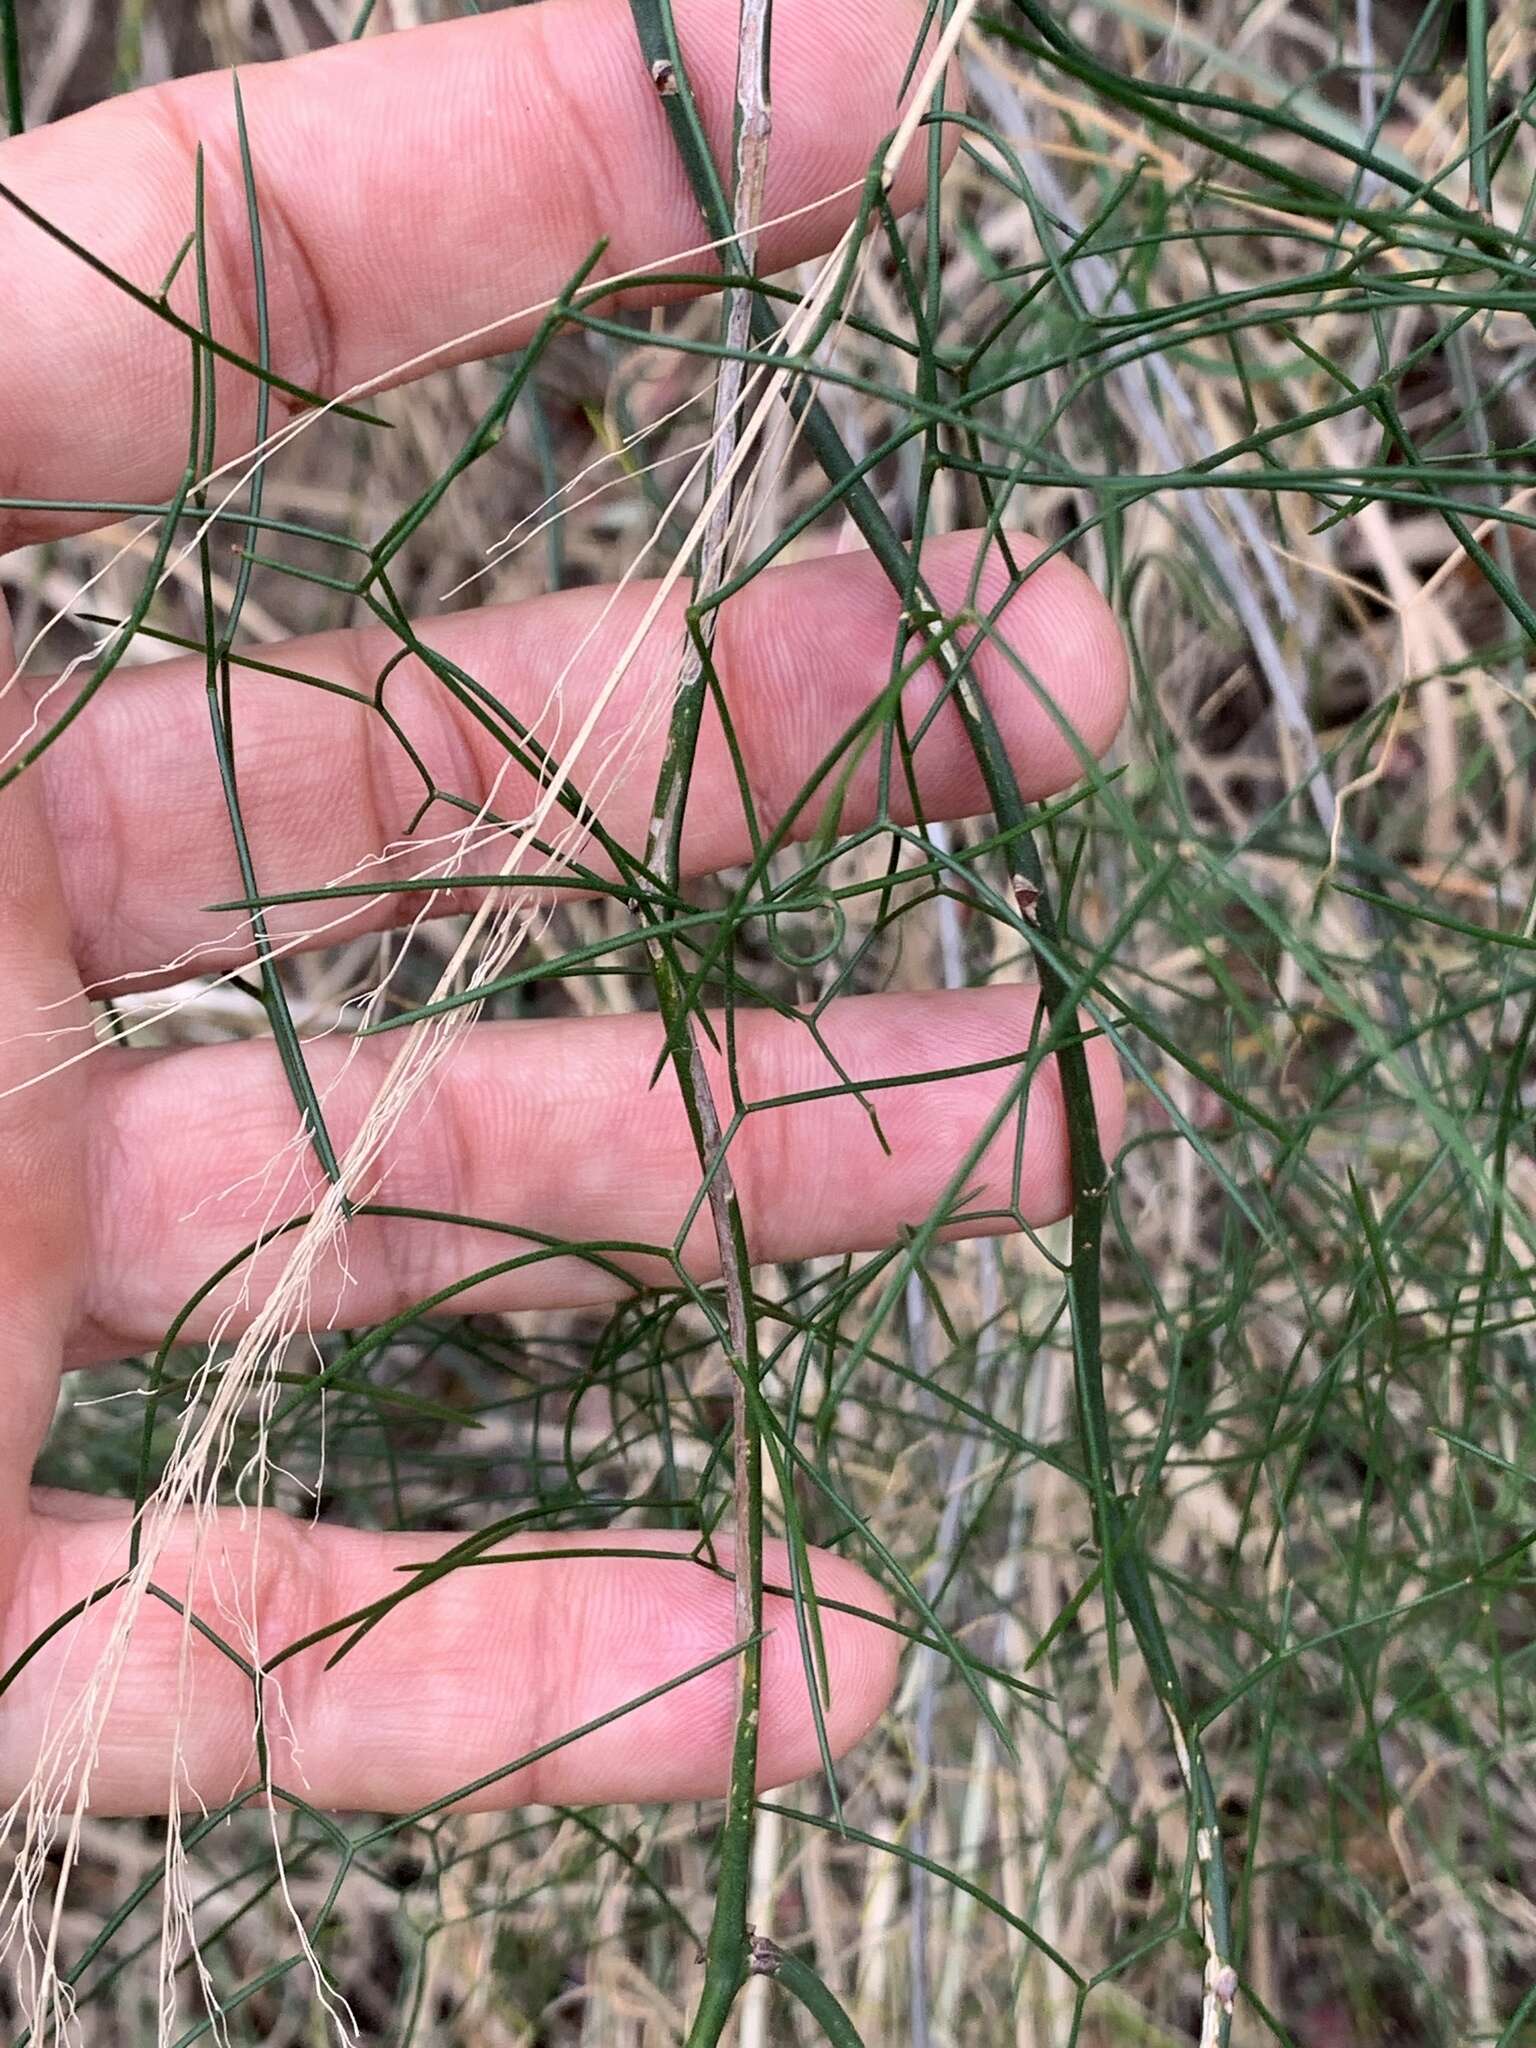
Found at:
(1477, 103)
(802, 1983)
(726, 1955)
(217, 659)
(10, 67)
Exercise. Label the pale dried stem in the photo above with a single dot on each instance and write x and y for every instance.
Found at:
(754, 121)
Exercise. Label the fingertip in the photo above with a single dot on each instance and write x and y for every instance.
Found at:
(862, 1656)
(1053, 1187)
(1053, 664)
(1106, 1077)
(910, 182)
(1026, 1171)
(1067, 648)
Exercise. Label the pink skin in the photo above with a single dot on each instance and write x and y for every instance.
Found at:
(519, 129)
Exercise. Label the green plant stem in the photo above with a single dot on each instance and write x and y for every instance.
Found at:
(217, 682)
(10, 66)
(1126, 1575)
(803, 1984)
(726, 1961)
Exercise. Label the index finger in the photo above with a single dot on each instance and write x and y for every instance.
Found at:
(411, 189)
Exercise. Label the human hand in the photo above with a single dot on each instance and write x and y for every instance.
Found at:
(414, 187)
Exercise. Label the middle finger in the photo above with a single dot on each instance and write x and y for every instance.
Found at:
(551, 1126)
(139, 813)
